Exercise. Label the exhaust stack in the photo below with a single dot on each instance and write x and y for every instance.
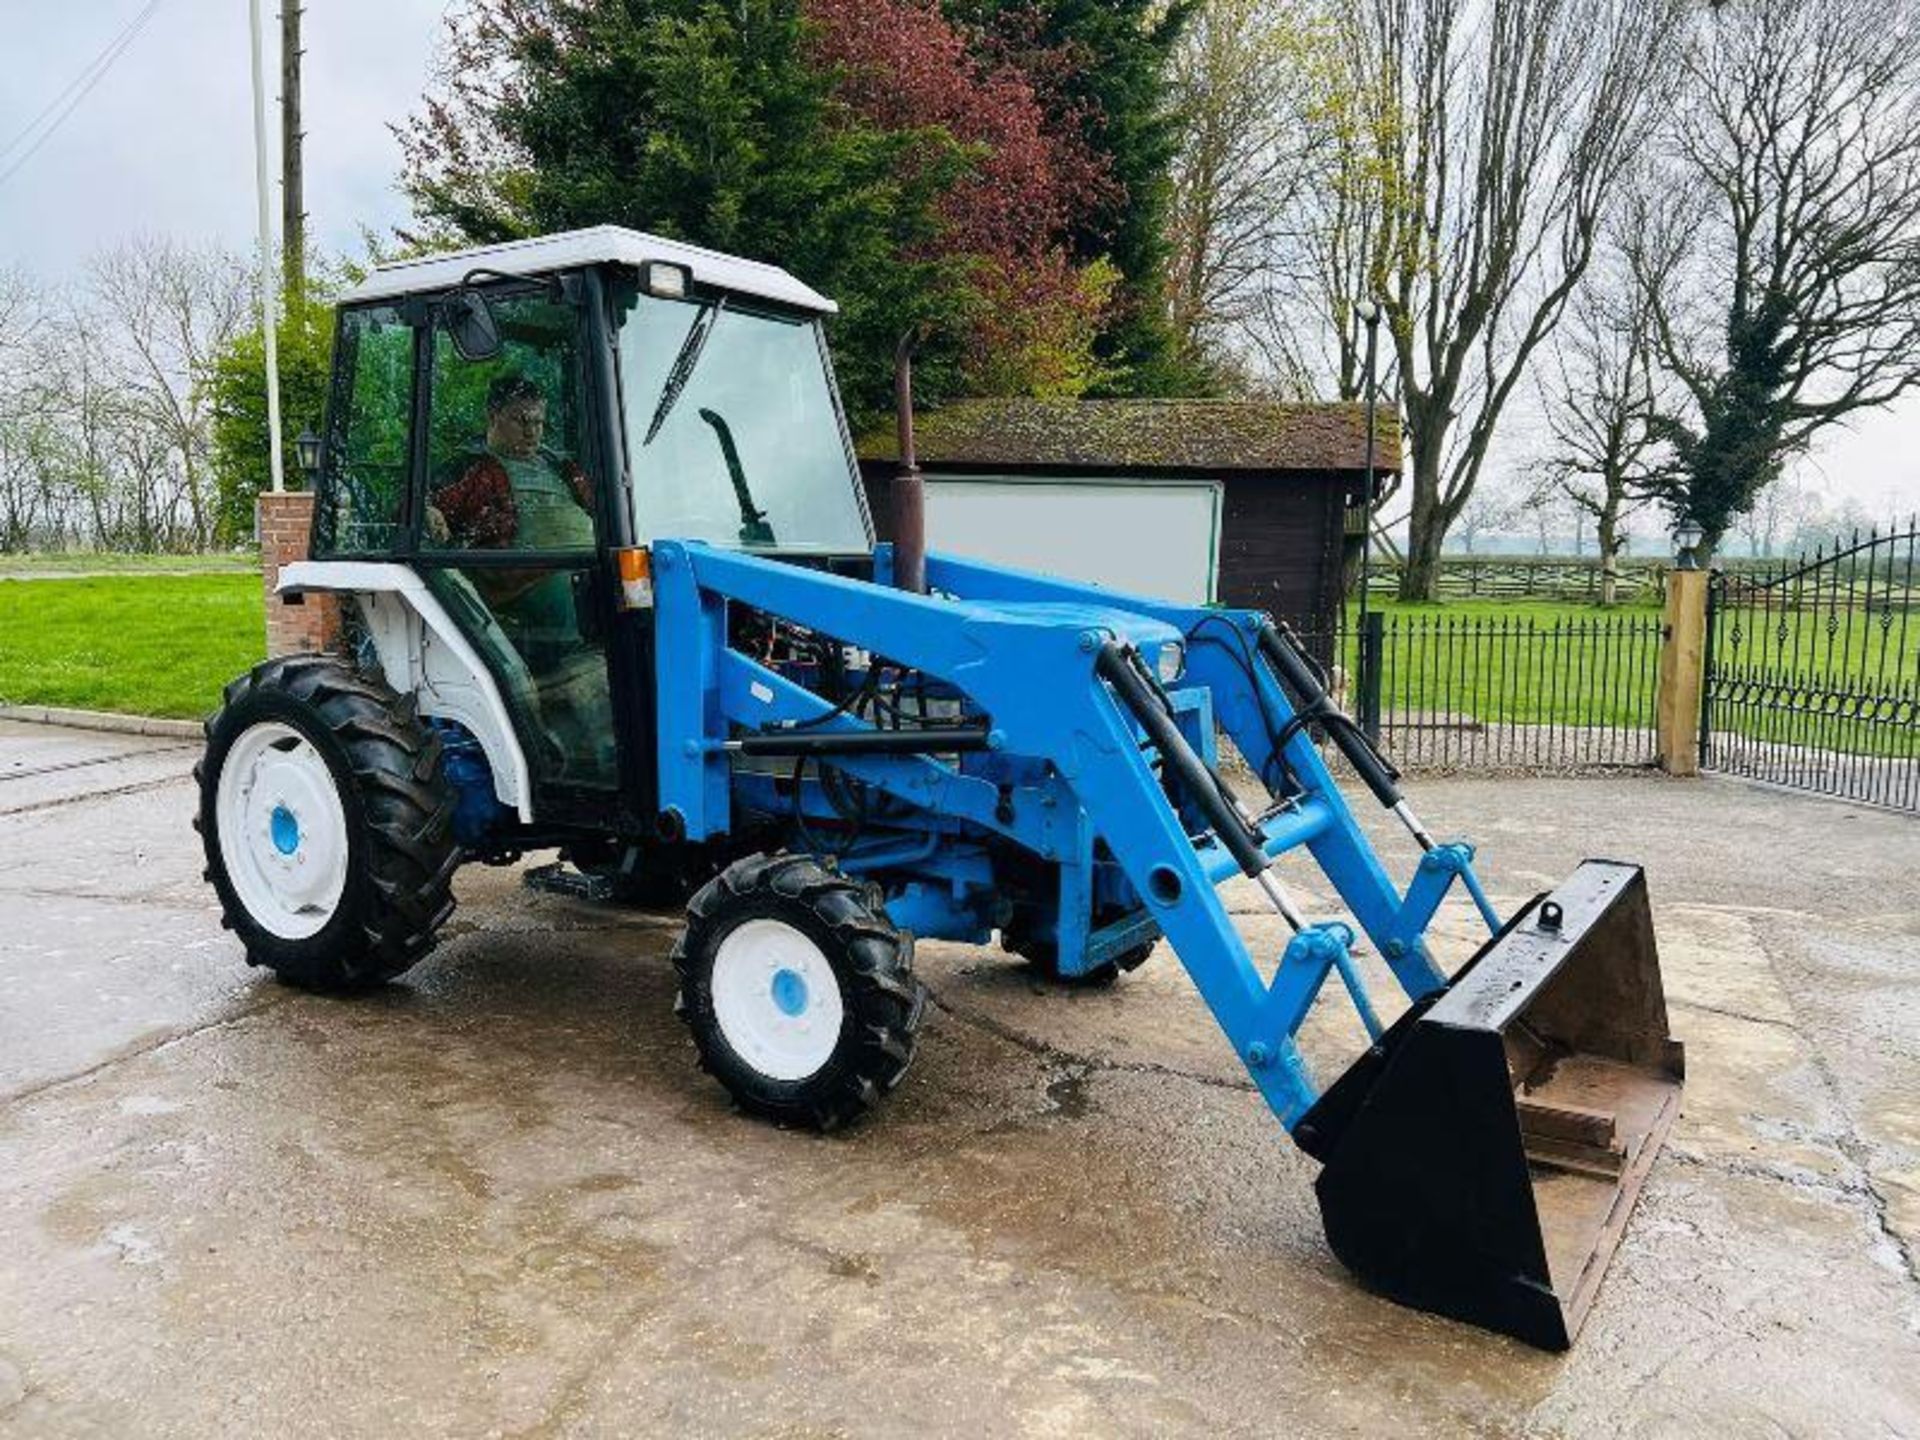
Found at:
(908, 496)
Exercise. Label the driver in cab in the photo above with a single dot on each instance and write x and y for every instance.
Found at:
(513, 493)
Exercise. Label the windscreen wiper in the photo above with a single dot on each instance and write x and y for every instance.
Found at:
(754, 529)
(698, 334)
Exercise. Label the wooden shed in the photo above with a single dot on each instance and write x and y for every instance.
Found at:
(1243, 502)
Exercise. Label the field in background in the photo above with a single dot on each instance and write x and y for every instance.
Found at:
(140, 644)
(160, 644)
(103, 562)
(1562, 683)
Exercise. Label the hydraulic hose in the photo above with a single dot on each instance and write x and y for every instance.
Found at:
(1312, 703)
(1119, 667)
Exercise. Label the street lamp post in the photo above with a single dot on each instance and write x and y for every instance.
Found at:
(1372, 630)
(1687, 536)
(1369, 315)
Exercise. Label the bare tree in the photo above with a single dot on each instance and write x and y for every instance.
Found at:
(1302, 326)
(167, 310)
(1784, 259)
(1781, 510)
(30, 489)
(1242, 82)
(16, 319)
(1490, 140)
(1544, 509)
(1488, 512)
(1600, 400)
(13, 297)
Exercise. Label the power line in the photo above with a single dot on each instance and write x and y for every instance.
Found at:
(76, 90)
(106, 57)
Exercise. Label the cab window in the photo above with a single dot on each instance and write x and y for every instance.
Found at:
(503, 466)
(733, 431)
(507, 533)
(361, 509)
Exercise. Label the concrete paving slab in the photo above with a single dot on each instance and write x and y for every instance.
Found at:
(126, 775)
(84, 979)
(44, 766)
(498, 1198)
(137, 845)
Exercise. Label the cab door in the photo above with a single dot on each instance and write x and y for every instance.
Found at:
(507, 529)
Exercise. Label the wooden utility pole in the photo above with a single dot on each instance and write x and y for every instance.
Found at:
(293, 213)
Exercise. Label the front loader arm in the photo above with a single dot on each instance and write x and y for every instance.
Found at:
(1253, 707)
(1030, 658)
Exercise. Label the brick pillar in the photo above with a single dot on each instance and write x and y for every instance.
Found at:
(1683, 662)
(302, 624)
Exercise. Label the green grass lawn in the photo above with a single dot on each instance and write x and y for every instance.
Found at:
(1527, 662)
(143, 644)
(1501, 609)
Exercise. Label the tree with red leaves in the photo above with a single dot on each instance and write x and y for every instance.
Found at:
(901, 65)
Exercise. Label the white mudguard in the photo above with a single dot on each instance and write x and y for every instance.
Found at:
(423, 652)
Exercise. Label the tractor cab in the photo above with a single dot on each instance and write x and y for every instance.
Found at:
(503, 422)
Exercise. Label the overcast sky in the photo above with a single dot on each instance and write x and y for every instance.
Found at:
(163, 144)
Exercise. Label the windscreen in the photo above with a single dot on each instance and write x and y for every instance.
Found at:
(732, 430)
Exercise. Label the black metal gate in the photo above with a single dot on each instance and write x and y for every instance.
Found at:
(1813, 672)
(1541, 689)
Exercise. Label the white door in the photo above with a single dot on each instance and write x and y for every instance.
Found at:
(1152, 537)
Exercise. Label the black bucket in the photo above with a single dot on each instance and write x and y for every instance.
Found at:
(1482, 1159)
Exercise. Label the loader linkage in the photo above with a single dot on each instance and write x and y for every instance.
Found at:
(1070, 734)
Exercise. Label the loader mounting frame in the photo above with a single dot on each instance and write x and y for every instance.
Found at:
(1037, 658)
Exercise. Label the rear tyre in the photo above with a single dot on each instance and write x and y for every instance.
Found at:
(327, 824)
(798, 990)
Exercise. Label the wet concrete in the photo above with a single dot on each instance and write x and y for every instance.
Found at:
(498, 1198)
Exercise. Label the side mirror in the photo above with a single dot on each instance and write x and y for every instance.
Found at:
(471, 326)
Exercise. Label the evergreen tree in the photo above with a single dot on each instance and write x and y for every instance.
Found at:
(237, 389)
(700, 121)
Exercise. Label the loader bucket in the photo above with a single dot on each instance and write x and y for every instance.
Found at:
(1482, 1159)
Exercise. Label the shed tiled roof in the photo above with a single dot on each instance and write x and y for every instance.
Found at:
(1208, 435)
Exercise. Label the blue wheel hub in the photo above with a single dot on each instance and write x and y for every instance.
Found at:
(285, 830)
(789, 991)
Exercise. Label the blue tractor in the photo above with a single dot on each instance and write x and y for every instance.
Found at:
(590, 508)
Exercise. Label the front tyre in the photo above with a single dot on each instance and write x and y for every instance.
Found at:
(327, 824)
(798, 990)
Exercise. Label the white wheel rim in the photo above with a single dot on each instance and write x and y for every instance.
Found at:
(283, 832)
(776, 999)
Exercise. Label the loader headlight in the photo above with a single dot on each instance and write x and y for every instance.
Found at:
(1171, 663)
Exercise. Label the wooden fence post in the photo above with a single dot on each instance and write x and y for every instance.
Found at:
(1683, 662)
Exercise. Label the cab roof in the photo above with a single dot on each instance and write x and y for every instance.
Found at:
(601, 244)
